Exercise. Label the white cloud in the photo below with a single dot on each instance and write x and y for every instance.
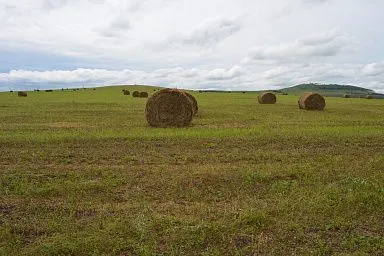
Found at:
(234, 78)
(374, 69)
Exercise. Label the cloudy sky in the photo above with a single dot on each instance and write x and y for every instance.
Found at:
(199, 44)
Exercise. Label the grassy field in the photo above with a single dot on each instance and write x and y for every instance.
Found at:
(83, 174)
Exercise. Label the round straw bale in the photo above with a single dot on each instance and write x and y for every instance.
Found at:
(143, 95)
(347, 96)
(22, 94)
(267, 98)
(311, 101)
(136, 94)
(169, 107)
(126, 92)
(195, 107)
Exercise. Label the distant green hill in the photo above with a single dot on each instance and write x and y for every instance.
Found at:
(328, 89)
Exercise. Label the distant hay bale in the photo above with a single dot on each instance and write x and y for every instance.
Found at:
(143, 95)
(347, 96)
(169, 107)
(48, 90)
(136, 94)
(311, 101)
(369, 97)
(126, 92)
(267, 98)
(22, 94)
(11, 91)
(193, 100)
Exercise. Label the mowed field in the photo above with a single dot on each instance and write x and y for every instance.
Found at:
(83, 174)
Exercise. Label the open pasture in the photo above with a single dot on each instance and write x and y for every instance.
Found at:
(82, 173)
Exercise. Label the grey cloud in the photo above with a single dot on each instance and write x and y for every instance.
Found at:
(54, 4)
(208, 33)
(324, 45)
(315, 1)
(116, 28)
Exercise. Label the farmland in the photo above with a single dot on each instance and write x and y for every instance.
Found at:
(83, 174)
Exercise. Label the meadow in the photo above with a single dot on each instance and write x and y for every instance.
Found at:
(81, 173)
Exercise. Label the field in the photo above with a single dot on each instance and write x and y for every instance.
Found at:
(83, 174)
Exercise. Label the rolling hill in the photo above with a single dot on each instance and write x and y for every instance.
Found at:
(330, 90)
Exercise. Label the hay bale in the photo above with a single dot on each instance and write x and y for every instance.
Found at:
(169, 107)
(126, 92)
(311, 101)
(195, 107)
(22, 94)
(48, 90)
(369, 97)
(347, 96)
(143, 95)
(267, 98)
(136, 94)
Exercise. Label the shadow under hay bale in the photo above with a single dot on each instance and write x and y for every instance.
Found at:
(267, 98)
(126, 92)
(22, 94)
(311, 101)
(143, 95)
(136, 94)
(193, 100)
(169, 107)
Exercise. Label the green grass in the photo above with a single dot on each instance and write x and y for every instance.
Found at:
(83, 174)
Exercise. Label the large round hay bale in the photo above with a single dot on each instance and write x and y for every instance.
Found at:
(169, 107)
(193, 100)
(311, 101)
(22, 94)
(136, 94)
(267, 98)
(143, 95)
(347, 96)
(126, 92)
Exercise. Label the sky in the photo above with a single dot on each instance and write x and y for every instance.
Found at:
(199, 44)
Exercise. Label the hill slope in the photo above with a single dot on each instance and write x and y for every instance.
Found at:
(328, 89)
